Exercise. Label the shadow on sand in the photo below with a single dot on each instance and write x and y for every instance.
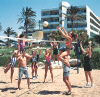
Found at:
(34, 82)
(6, 89)
(46, 92)
(73, 86)
(4, 82)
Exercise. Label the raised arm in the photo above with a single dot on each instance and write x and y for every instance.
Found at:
(66, 36)
(18, 40)
(18, 58)
(82, 48)
(90, 53)
(35, 52)
(55, 43)
(30, 40)
(44, 53)
(51, 48)
(28, 56)
(29, 51)
(39, 52)
(64, 30)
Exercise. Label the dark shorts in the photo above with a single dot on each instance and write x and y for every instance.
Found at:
(87, 67)
(23, 70)
(55, 51)
(34, 65)
(66, 74)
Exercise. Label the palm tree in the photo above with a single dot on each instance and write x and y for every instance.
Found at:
(9, 32)
(0, 27)
(28, 17)
(74, 15)
(39, 24)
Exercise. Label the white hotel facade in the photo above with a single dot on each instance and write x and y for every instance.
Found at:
(91, 23)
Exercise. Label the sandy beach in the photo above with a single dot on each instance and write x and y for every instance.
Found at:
(49, 89)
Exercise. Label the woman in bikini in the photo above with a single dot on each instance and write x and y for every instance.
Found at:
(48, 62)
(70, 37)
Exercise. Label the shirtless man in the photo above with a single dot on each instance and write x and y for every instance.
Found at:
(23, 68)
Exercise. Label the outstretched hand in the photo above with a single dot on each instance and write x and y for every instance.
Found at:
(19, 33)
(43, 52)
(57, 28)
(90, 42)
(62, 27)
(51, 44)
(37, 38)
(81, 42)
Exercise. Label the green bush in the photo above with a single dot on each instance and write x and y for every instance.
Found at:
(95, 60)
(4, 59)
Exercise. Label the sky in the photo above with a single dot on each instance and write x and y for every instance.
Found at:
(10, 9)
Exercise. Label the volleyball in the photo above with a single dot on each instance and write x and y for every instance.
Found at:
(45, 23)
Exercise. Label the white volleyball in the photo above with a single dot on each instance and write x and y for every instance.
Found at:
(45, 23)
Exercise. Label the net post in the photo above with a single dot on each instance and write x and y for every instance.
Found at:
(77, 55)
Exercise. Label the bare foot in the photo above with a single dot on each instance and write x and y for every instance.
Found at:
(43, 81)
(29, 88)
(68, 93)
(19, 88)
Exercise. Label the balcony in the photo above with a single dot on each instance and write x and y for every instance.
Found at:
(52, 9)
(49, 16)
(53, 23)
(76, 28)
(78, 21)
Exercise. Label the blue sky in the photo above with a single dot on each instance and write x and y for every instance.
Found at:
(10, 9)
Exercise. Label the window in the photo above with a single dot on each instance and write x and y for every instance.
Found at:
(55, 20)
(54, 13)
(94, 17)
(94, 29)
(48, 20)
(94, 23)
(44, 14)
(76, 25)
(45, 36)
(92, 34)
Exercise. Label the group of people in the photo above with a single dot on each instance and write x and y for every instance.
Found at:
(22, 57)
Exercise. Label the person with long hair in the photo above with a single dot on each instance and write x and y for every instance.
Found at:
(21, 43)
(87, 63)
(48, 62)
(55, 51)
(11, 63)
(70, 37)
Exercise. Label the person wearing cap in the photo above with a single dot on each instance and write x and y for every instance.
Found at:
(34, 61)
(12, 63)
(66, 71)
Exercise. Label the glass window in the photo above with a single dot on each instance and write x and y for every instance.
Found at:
(44, 14)
(92, 34)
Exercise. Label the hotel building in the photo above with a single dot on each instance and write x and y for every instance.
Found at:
(55, 17)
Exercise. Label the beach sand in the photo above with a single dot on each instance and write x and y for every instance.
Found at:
(49, 89)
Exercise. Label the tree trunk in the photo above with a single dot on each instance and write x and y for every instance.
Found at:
(39, 26)
(26, 29)
(72, 25)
